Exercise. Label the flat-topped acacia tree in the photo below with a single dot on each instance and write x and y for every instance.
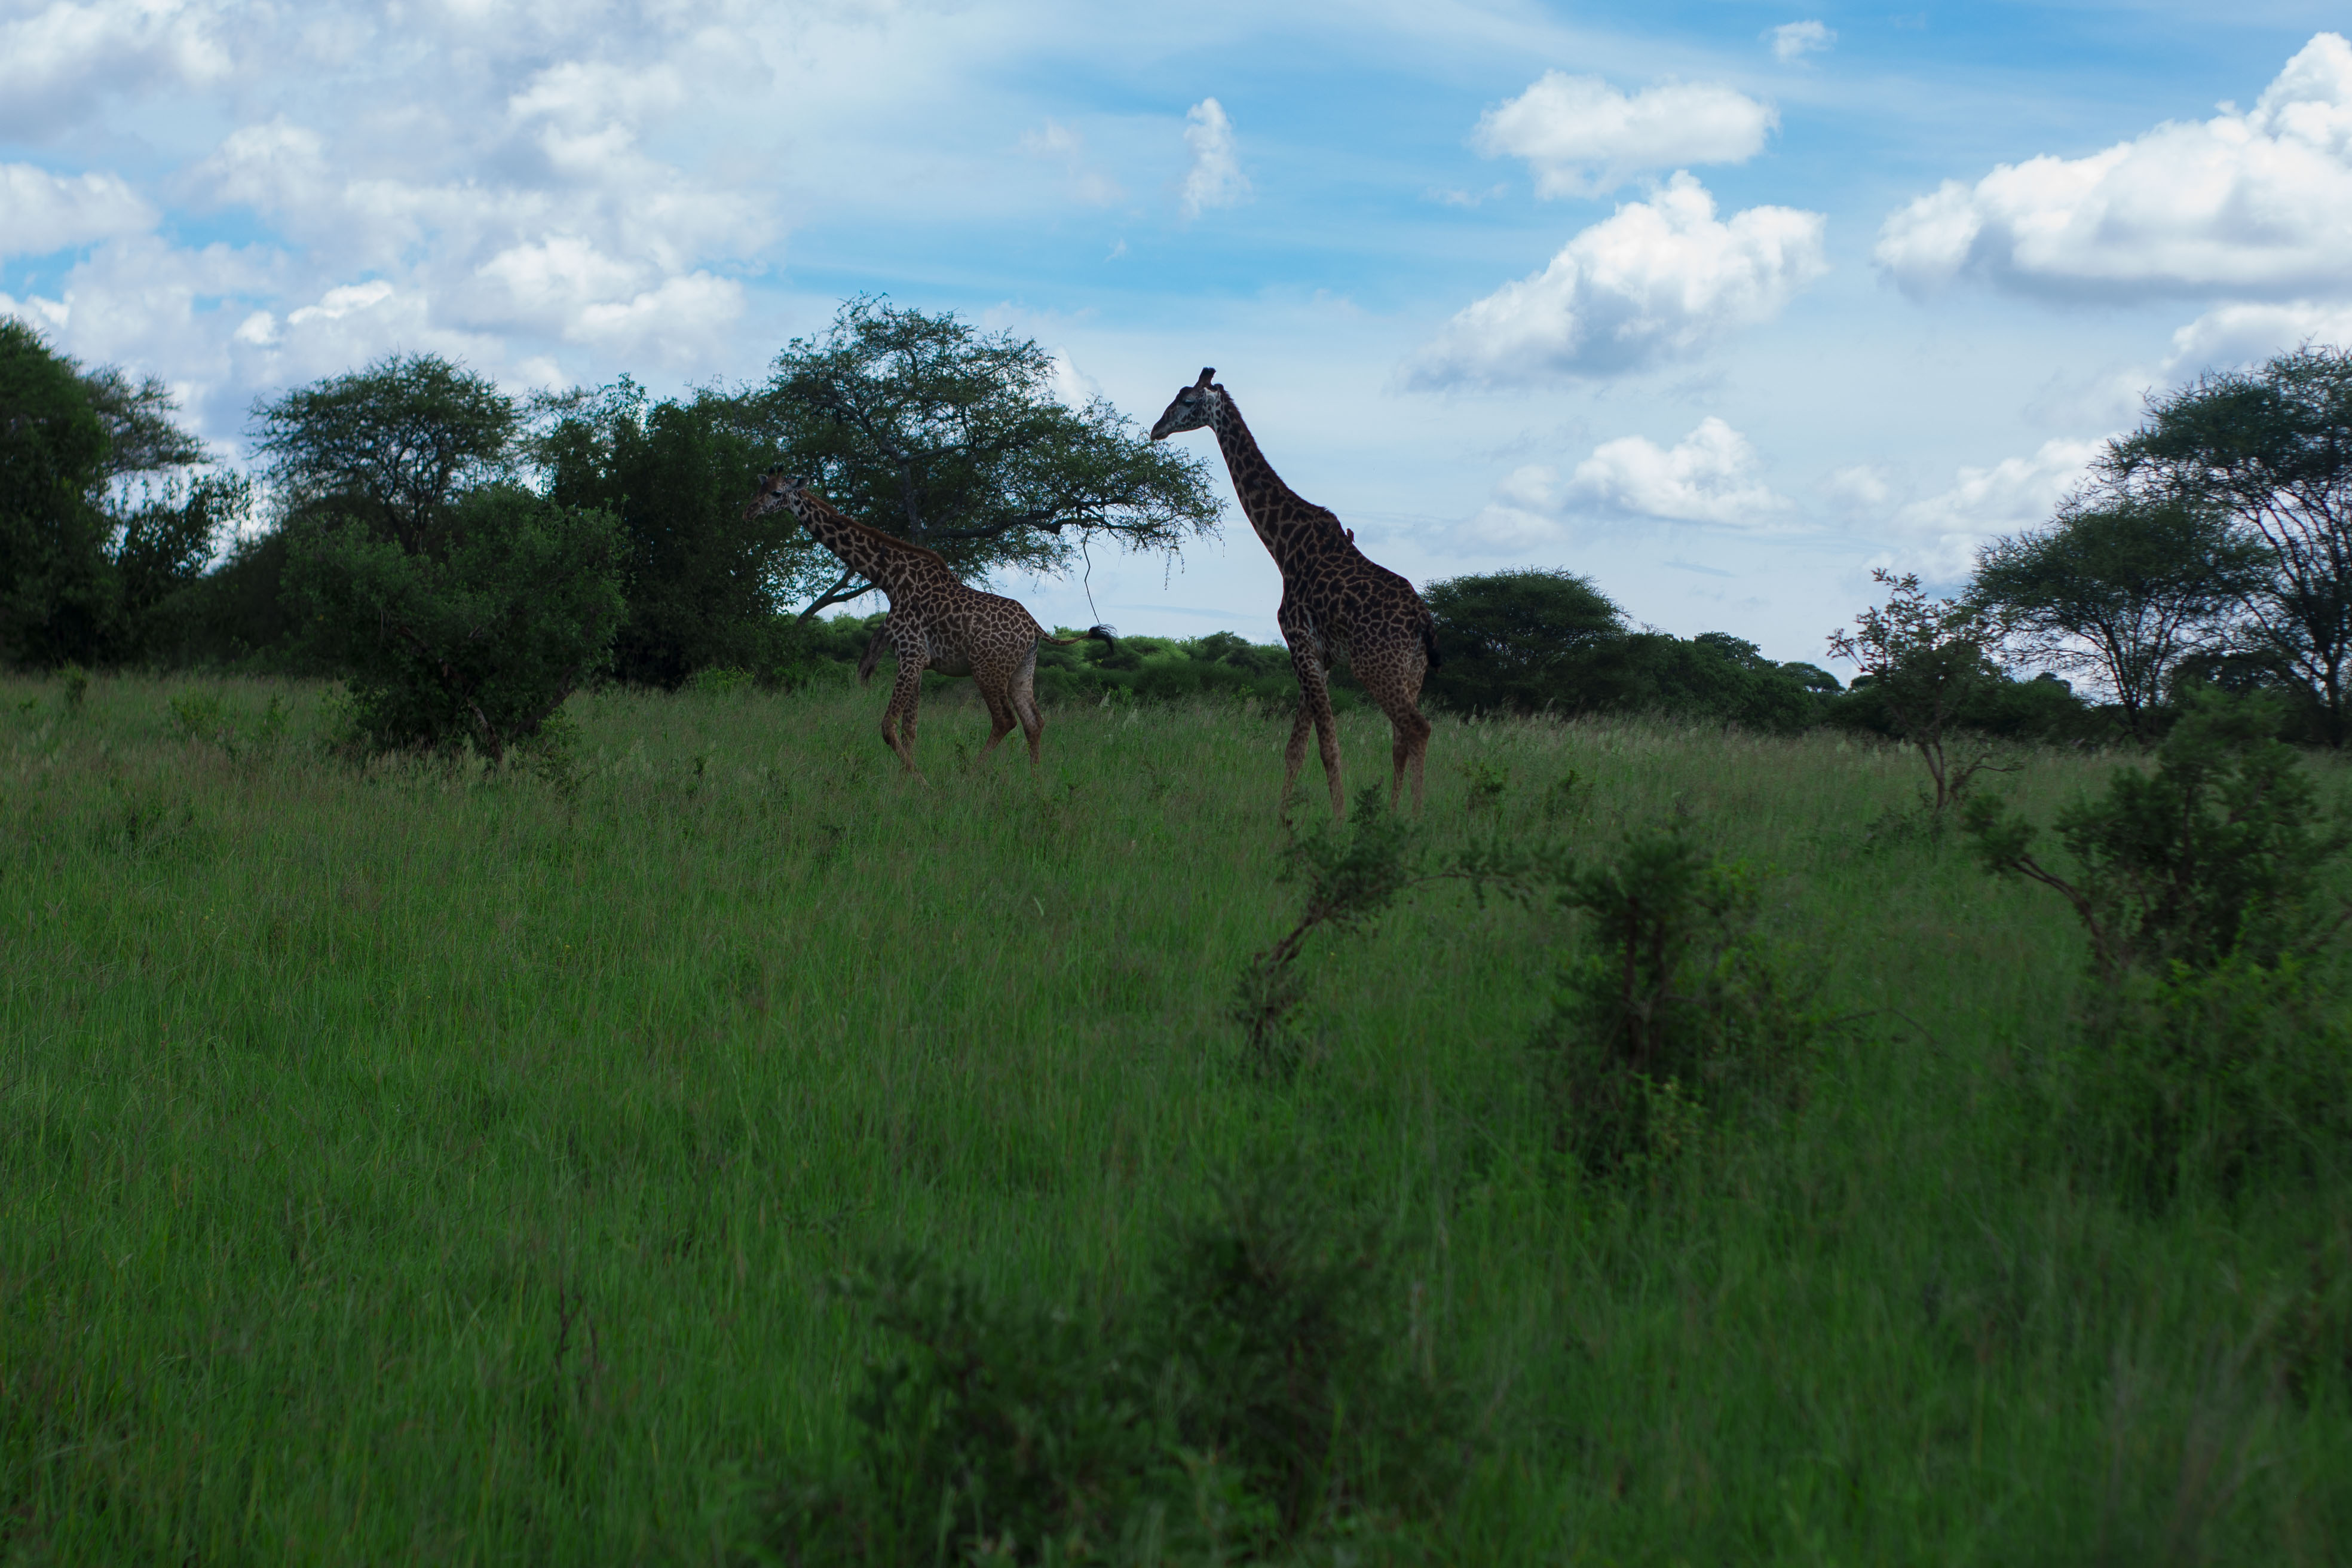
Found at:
(954, 439)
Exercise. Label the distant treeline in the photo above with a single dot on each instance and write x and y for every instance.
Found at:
(464, 558)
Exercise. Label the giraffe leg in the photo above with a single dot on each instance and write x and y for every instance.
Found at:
(1294, 755)
(999, 714)
(1394, 681)
(1024, 705)
(898, 719)
(1314, 707)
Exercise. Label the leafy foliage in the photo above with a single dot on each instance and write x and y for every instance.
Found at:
(1676, 1008)
(1530, 641)
(2272, 447)
(88, 565)
(1925, 659)
(2213, 1048)
(389, 447)
(2214, 855)
(953, 439)
(706, 589)
(478, 639)
(2123, 583)
(1260, 1395)
(2224, 1080)
(1511, 641)
(1352, 873)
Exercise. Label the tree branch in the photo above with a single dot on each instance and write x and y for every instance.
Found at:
(835, 595)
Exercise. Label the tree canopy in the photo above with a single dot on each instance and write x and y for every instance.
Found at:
(1532, 639)
(390, 446)
(706, 588)
(87, 565)
(2271, 447)
(2126, 584)
(952, 439)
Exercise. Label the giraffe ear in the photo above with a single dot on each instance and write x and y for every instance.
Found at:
(1206, 376)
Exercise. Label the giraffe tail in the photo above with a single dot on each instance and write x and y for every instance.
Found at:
(1429, 637)
(1106, 636)
(873, 654)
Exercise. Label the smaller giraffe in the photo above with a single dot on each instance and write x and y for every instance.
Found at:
(936, 622)
(1333, 597)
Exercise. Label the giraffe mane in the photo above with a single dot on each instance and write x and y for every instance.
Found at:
(891, 540)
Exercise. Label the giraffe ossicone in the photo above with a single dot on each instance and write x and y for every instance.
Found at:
(1333, 597)
(936, 621)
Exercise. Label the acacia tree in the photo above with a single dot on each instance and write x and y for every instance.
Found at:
(952, 439)
(2123, 583)
(2272, 447)
(1925, 658)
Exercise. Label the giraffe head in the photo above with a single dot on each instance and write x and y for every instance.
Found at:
(777, 488)
(1192, 407)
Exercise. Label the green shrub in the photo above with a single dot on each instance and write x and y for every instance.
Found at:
(476, 638)
(2222, 1080)
(1269, 1390)
(1352, 872)
(2220, 850)
(1677, 1013)
(1529, 640)
(2211, 1050)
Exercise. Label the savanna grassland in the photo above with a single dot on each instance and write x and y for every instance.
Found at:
(402, 1165)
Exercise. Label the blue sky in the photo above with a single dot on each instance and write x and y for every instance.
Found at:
(1721, 304)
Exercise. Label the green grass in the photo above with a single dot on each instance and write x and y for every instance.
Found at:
(397, 1164)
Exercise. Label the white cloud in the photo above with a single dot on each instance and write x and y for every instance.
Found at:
(41, 212)
(2243, 334)
(1061, 145)
(57, 60)
(2257, 204)
(1711, 475)
(1522, 514)
(1860, 487)
(1938, 536)
(1794, 40)
(1072, 388)
(1659, 280)
(1215, 179)
(1584, 137)
(677, 320)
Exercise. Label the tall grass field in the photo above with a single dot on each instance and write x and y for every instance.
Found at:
(400, 1164)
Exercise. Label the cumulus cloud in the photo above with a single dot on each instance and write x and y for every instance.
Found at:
(41, 212)
(1658, 281)
(2253, 203)
(57, 60)
(1584, 137)
(1711, 475)
(1938, 535)
(1795, 40)
(1215, 179)
(2243, 334)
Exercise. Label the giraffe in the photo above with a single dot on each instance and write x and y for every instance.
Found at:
(1332, 596)
(936, 622)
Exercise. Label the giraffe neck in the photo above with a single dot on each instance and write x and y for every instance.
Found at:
(887, 562)
(1285, 523)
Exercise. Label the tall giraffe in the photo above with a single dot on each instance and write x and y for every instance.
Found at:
(1332, 596)
(936, 622)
